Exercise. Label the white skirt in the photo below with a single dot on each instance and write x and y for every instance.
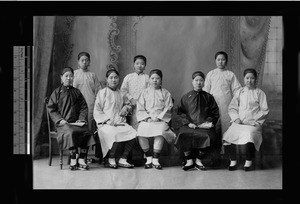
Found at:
(152, 129)
(109, 134)
(241, 134)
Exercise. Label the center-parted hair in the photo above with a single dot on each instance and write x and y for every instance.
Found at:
(156, 71)
(198, 73)
(250, 70)
(140, 57)
(84, 54)
(110, 71)
(222, 53)
(67, 69)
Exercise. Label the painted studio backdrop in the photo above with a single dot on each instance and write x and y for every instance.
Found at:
(178, 45)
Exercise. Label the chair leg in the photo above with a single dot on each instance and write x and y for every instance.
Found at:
(69, 160)
(50, 152)
(61, 158)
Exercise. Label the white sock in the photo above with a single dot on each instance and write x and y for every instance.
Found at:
(149, 160)
(73, 162)
(189, 162)
(112, 160)
(198, 162)
(248, 163)
(123, 161)
(155, 161)
(232, 162)
(81, 161)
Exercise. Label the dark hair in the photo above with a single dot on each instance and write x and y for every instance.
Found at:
(67, 69)
(84, 54)
(250, 70)
(140, 57)
(198, 73)
(222, 53)
(110, 71)
(156, 71)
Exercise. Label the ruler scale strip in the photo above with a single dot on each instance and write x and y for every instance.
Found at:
(21, 100)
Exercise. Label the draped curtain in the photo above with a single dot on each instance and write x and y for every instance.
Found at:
(254, 32)
(43, 43)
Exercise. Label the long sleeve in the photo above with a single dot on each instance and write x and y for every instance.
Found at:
(263, 108)
(141, 112)
(166, 114)
(98, 113)
(52, 108)
(233, 108)
(181, 112)
(213, 111)
(98, 85)
(83, 112)
(207, 84)
(235, 84)
(125, 87)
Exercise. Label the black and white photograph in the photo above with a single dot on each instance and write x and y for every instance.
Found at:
(157, 102)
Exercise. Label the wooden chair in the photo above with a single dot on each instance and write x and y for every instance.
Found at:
(53, 135)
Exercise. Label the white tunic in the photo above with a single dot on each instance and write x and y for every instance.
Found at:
(155, 103)
(108, 105)
(133, 85)
(89, 85)
(222, 84)
(250, 106)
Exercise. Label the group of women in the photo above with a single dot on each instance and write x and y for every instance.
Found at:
(217, 112)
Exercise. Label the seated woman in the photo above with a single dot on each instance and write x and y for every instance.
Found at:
(247, 111)
(198, 112)
(66, 106)
(110, 110)
(153, 114)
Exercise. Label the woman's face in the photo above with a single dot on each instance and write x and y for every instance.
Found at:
(83, 62)
(67, 78)
(155, 81)
(113, 80)
(198, 83)
(221, 61)
(250, 80)
(139, 65)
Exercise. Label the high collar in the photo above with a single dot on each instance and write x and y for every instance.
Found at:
(113, 89)
(197, 91)
(142, 73)
(83, 70)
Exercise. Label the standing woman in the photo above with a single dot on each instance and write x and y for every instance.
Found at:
(222, 84)
(198, 112)
(111, 108)
(134, 83)
(88, 83)
(153, 114)
(67, 105)
(247, 111)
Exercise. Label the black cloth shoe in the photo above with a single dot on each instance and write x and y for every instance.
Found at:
(202, 168)
(249, 168)
(187, 168)
(129, 166)
(232, 168)
(112, 166)
(148, 166)
(73, 167)
(159, 167)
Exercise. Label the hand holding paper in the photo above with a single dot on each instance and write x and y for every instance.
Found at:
(206, 125)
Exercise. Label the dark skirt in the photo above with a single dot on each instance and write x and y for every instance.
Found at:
(74, 136)
(188, 138)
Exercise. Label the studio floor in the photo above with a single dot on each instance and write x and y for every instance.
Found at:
(99, 177)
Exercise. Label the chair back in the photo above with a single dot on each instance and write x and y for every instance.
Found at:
(51, 128)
